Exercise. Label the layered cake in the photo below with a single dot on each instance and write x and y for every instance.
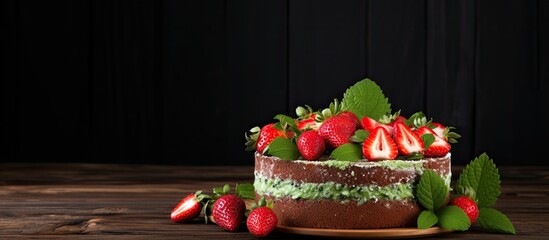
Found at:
(353, 165)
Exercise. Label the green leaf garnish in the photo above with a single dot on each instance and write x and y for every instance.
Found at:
(431, 190)
(347, 152)
(493, 220)
(453, 218)
(365, 98)
(283, 148)
(428, 139)
(482, 176)
(360, 136)
(245, 190)
(426, 219)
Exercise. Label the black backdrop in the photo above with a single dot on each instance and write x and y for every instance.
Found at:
(179, 82)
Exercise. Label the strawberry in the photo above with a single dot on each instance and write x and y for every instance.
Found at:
(379, 146)
(370, 125)
(352, 117)
(408, 141)
(337, 130)
(468, 205)
(309, 123)
(267, 134)
(228, 212)
(399, 118)
(311, 145)
(439, 129)
(188, 208)
(261, 221)
(438, 148)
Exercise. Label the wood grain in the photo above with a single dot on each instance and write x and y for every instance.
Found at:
(106, 201)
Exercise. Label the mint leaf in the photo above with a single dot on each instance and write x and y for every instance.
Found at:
(426, 219)
(283, 148)
(360, 136)
(245, 190)
(453, 218)
(482, 176)
(428, 139)
(493, 220)
(347, 152)
(365, 98)
(431, 190)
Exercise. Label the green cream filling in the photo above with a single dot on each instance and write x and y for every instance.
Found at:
(279, 188)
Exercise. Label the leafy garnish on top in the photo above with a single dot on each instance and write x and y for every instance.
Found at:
(365, 98)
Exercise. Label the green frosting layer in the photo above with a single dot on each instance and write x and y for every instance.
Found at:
(279, 188)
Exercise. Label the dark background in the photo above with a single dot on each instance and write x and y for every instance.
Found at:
(180, 82)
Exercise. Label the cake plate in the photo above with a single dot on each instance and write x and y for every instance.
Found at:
(384, 233)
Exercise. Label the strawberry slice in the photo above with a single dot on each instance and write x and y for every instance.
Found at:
(370, 125)
(379, 146)
(408, 141)
(439, 129)
(399, 118)
(439, 147)
(188, 208)
(309, 123)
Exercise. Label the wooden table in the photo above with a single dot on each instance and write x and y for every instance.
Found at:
(101, 201)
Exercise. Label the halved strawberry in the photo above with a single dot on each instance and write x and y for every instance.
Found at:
(438, 148)
(311, 145)
(337, 130)
(399, 118)
(408, 141)
(309, 123)
(379, 146)
(370, 124)
(439, 129)
(188, 208)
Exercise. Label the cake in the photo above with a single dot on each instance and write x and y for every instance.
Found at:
(353, 165)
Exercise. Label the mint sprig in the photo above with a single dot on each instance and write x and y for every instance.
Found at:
(365, 98)
(482, 176)
(479, 181)
(347, 152)
(283, 148)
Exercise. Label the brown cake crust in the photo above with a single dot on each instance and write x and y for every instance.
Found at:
(333, 214)
(349, 214)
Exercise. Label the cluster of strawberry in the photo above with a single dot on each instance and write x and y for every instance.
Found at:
(318, 132)
(229, 211)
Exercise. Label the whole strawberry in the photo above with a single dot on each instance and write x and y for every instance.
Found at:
(228, 212)
(337, 130)
(468, 205)
(311, 145)
(267, 134)
(261, 221)
(188, 208)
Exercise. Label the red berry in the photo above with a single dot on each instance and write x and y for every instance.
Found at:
(408, 141)
(337, 130)
(187, 209)
(228, 212)
(439, 147)
(261, 221)
(379, 146)
(311, 145)
(267, 134)
(370, 125)
(468, 205)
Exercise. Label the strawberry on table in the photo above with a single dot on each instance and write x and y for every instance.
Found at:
(311, 145)
(228, 212)
(261, 221)
(408, 141)
(439, 147)
(379, 145)
(188, 208)
(468, 205)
